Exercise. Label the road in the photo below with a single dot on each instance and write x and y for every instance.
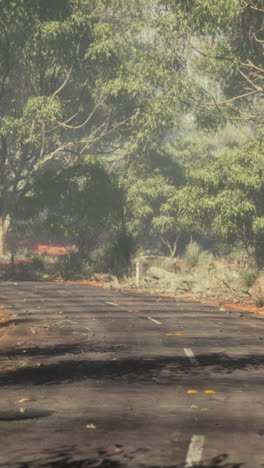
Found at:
(93, 377)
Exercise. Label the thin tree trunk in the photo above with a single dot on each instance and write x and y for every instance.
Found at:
(4, 225)
(259, 253)
(172, 247)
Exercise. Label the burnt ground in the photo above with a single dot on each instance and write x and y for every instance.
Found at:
(92, 377)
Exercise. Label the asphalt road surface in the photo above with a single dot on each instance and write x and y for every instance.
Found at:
(92, 377)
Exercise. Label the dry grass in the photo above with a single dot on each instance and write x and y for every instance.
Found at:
(197, 274)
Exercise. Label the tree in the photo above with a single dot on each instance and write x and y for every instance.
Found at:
(224, 197)
(152, 186)
(75, 74)
(225, 43)
(79, 203)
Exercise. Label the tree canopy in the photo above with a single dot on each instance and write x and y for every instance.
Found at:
(148, 88)
(75, 74)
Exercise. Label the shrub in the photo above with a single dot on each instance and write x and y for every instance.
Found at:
(24, 272)
(249, 276)
(192, 254)
(70, 266)
(38, 263)
(260, 301)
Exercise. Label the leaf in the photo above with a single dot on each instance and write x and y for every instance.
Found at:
(90, 426)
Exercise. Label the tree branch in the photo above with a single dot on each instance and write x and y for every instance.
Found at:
(218, 57)
(251, 65)
(257, 88)
(252, 6)
(68, 74)
(76, 127)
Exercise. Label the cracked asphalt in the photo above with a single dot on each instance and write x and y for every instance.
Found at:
(94, 377)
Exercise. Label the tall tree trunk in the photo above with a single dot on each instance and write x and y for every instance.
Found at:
(259, 252)
(4, 225)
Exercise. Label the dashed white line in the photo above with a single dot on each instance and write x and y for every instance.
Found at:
(195, 451)
(155, 321)
(191, 356)
(111, 303)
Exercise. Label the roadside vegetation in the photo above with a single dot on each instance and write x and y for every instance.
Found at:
(132, 132)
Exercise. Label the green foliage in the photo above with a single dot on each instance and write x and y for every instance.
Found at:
(192, 254)
(224, 194)
(38, 264)
(224, 43)
(249, 276)
(260, 301)
(70, 266)
(151, 184)
(114, 256)
(81, 203)
(76, 75)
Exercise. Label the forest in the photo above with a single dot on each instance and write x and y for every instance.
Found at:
(134, 130)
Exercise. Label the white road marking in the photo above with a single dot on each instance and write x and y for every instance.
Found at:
(111, 303)
(195, 451)
(191, 356)
(155, 321)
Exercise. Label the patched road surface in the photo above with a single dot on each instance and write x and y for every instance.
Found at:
(92, 377)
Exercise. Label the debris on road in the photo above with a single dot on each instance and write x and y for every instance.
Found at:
(90, 426)
(22, 400)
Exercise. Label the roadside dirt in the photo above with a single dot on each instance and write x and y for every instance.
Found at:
(240, 306)
(3, 321)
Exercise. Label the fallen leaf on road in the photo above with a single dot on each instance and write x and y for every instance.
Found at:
(90, 426)
(24, 399)
(22, 410)
(115, 359)
(204, 409)
(192, 391)
(194, 406)
(118, 450)
(210, 391)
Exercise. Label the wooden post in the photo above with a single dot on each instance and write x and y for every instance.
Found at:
(137, 274)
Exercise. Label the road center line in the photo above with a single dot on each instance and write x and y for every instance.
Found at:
(195, 451)
(191, 356)
(155, 321)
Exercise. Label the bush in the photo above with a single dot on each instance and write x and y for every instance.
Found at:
(260, 301)
(249, 276)
(24, 272)
(115, 256)
(70, 266)
(192, 254)
(38, 264)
